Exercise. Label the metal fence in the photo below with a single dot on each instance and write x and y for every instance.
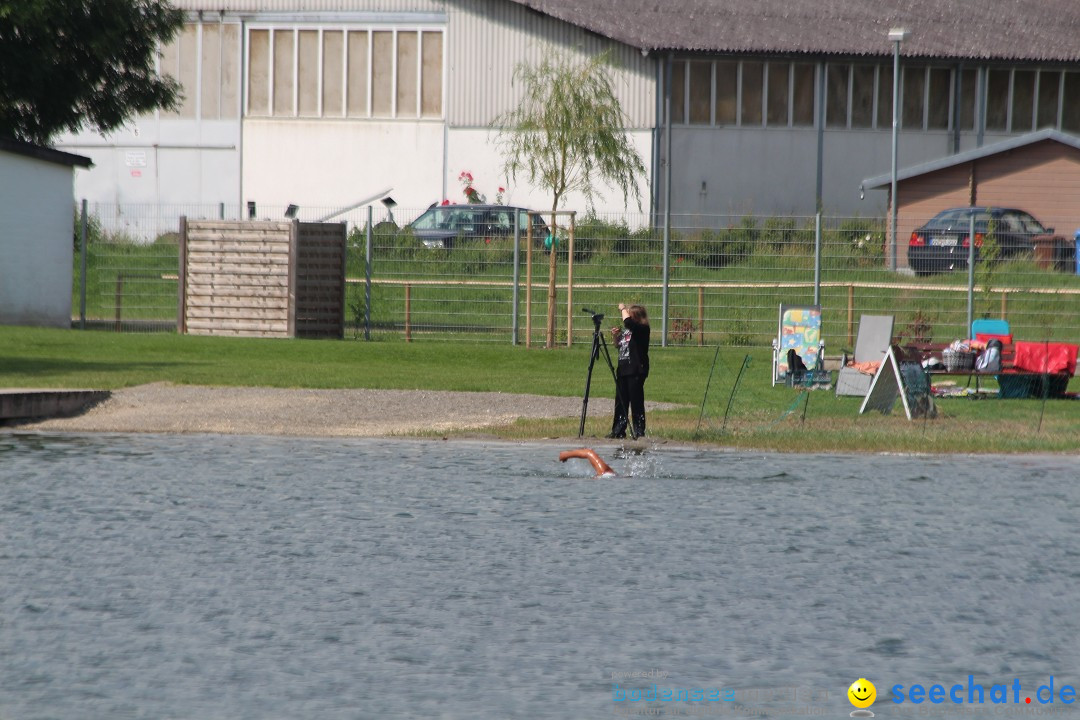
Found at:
(720, 281)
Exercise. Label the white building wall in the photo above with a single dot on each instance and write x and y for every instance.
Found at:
(333, 164)
(473, 150)
(36, 251)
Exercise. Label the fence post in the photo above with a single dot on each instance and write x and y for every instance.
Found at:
(701, 315)
(570, 285)
(82, 266)
(528, 281)
(517, 276)
(408, 312)
(367, 278)
(817, 259)
(851, 316)
(971, 274)
(119, 299)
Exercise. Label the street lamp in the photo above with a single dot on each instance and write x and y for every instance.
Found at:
(897, 36)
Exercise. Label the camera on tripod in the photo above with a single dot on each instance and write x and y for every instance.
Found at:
(598, 344)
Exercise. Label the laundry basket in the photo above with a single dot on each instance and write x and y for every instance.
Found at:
(955, 360)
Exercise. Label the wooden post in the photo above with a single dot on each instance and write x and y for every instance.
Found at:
(851, 316)
(549, 333)
(528, 282)
(119, 298)
(408, 312)
(570, 286)
(181, 305)
(701, 315)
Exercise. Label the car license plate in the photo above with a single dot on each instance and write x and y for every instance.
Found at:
(943, 240)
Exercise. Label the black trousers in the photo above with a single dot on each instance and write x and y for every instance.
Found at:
(629, 405)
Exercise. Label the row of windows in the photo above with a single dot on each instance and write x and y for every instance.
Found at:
(782, 94)
(336, 72)
(205, 59)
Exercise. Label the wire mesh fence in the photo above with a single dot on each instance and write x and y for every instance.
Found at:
(710, 280)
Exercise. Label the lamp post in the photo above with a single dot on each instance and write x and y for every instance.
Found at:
(897, 35)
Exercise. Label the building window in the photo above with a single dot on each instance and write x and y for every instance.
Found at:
(1070, 103)
(678, 93)
(913, 98)
(862, 96)
(727, 92)
(700, 92)
(1023, 100)
(938, 98)
(836, 96)
(968, 80)
(314, 71)
(779, 94)
(753, 79)
(997, 99)
(205, 60)
(885, 98)
(1049, 92)
(802, 95)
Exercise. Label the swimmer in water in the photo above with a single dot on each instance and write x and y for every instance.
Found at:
(601, 467)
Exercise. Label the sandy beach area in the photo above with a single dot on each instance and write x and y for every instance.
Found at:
(168, 408)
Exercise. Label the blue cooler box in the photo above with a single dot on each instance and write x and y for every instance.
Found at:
(1076, 239)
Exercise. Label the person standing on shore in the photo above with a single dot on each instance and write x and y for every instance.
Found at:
(632, 341)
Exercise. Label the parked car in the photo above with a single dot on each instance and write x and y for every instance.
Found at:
(444, 226)
(942, 244)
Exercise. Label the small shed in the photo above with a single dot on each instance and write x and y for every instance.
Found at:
(37, 208)
(1038, 172)
(262, 278)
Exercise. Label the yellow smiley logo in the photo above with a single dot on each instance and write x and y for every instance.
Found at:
(862, 693)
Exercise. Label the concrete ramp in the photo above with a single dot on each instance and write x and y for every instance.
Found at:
(23, 404)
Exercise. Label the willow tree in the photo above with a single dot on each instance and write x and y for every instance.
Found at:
(567, 135)
(68, 65)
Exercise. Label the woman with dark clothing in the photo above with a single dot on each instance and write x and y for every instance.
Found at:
(632, 341)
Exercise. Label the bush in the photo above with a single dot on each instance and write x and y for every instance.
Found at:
(858, 242)
(719, 248)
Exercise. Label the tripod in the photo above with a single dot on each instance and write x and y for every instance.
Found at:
(598, 342)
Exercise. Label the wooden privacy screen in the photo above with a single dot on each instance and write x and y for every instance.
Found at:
(262, 279)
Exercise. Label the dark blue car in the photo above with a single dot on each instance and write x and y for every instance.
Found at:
(942, 244)
(444, 226)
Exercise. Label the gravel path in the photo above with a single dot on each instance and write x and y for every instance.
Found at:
(164, 407)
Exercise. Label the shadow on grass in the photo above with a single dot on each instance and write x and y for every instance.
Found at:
(37, 367)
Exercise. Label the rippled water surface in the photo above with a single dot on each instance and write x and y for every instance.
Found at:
(239, 577)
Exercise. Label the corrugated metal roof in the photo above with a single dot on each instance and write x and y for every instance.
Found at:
(975, 154)
(1030, 30)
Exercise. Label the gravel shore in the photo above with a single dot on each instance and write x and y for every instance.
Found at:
(168, 408)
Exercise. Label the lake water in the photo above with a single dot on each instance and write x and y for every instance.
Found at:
(146, 576)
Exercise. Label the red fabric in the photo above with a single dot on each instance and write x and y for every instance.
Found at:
(987, 337)
(1046, 357)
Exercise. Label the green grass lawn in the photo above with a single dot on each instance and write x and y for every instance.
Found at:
(759, 415)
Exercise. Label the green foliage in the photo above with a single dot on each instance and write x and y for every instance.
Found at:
(720, 248)
(858, 242)
(567, 132)
(68, 65)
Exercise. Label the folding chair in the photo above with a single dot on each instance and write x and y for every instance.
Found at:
(875, 335)
(799, 330)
